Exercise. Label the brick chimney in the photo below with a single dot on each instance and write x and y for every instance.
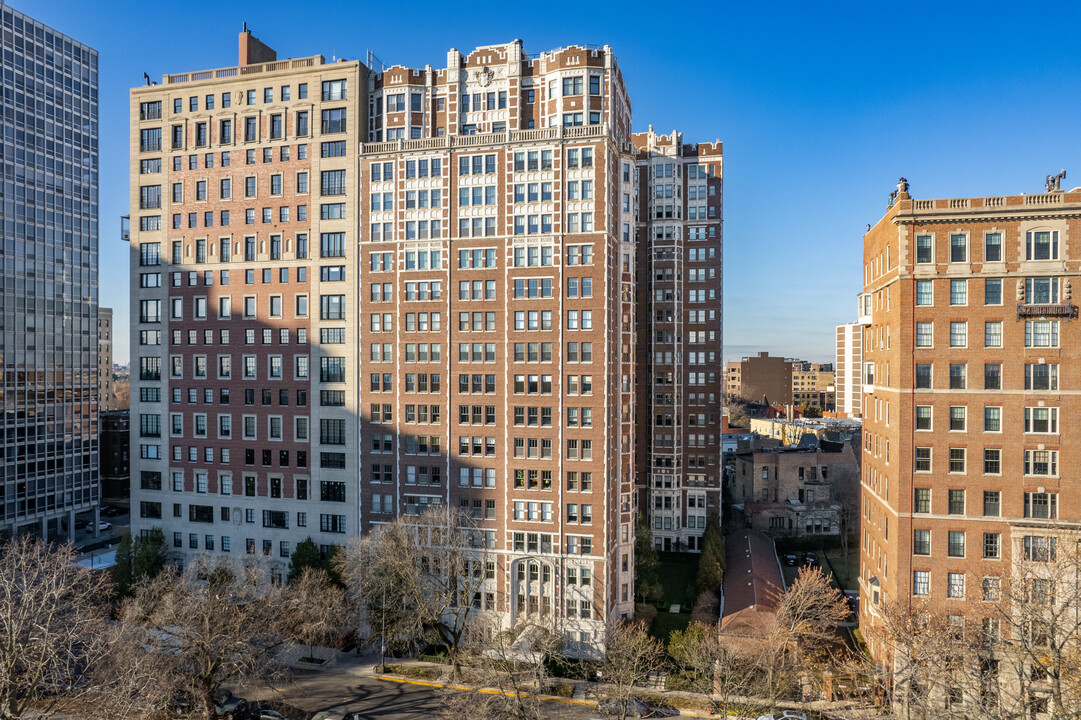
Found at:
(252, 51)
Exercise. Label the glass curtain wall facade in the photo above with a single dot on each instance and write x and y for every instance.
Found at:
(49, 298)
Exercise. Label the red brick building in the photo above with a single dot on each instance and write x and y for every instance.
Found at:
(970, 349)
(359, 292)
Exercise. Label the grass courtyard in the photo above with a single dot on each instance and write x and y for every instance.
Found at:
(678, 573)
(846, 572)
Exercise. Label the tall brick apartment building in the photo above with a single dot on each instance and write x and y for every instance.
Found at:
(971, 346)
(357, 294)
(679, 335)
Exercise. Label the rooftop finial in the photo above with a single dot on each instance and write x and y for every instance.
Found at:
(245, 26)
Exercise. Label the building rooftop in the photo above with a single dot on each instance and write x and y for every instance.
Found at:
(753, 584)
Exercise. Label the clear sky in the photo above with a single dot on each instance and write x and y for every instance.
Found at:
(821, 108)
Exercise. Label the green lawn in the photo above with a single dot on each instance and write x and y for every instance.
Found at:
(847, 571)
(666, 622)
(678, 572)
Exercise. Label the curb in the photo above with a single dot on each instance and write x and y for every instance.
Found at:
(487, 691)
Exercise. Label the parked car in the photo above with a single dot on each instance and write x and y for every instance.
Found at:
(112, 510)
(276, 710)
(791, 559)
(853, 598)
(226, 705)
(104, 526)
(82, 524)
(266, 714)
(809, 558)
(230, 707)
(784, 715)
(636, 708)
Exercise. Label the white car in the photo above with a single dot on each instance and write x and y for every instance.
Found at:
(104, 526)
(784, 715)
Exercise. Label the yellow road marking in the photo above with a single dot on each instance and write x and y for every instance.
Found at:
(485, 691)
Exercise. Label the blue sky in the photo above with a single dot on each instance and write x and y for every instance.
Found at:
(821, 108)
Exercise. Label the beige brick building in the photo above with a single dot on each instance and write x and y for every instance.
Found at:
(848, 370)
(813, 385)
(970, 350)
(361, 292)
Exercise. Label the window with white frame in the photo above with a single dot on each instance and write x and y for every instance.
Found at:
(1041, 333)
(1041, 420)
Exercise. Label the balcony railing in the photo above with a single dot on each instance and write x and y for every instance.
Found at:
(1061, 310)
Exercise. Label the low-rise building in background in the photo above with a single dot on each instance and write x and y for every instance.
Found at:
(796, 490)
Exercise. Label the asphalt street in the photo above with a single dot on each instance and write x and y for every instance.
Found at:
(350, 689)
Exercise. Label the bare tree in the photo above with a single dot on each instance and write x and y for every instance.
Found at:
(52, 627)
(1036, 627)
(315, 609)
(122, 394)
(721, 668)
(419, 577)
(216, 622)
(845, 489)
(1018, 656)
(509, 661)
(928, 652)
(804, 626)
(631, 654)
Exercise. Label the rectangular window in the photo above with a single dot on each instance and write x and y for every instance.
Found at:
(1041, 377)
(925, 334)
(955, 585)
(923, 417)
(1041, 245)
(992, 291)
(955, 546)
(924, 249)
(959, 334)
(1041, 333)
(992, 334)
(956, 502)
(992, 419)
(958, 376)
(923, 459)
(958, 248)
(925, 292)
(958, 292)
(1041, 463)
(921, 542)
(957, 460)
(1041, 420)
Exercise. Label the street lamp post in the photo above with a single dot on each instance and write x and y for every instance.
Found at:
(383, 637)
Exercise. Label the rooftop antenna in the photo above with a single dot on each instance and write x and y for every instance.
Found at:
(372, 59)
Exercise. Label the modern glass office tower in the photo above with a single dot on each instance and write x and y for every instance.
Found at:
(49, 297)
